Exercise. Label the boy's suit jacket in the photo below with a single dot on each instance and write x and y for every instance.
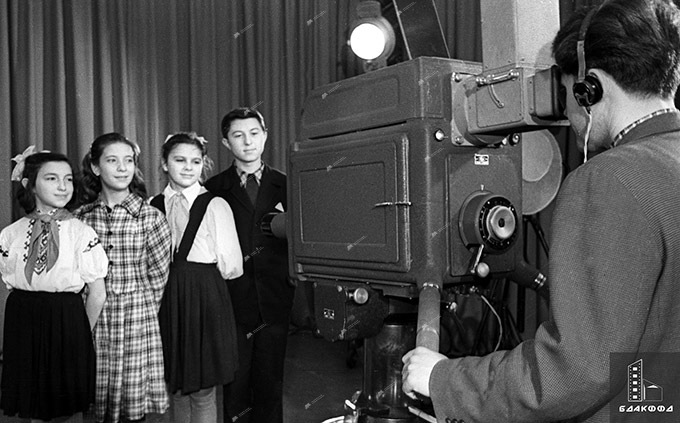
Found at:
(264, 287)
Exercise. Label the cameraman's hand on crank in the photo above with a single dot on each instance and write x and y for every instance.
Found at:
(415, 374)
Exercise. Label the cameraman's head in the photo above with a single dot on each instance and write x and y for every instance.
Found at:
(630, 53)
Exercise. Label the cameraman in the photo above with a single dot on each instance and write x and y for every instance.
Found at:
(615, 256)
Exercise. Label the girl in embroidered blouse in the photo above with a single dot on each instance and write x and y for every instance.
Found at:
(196, 314)
(136, 238)
(47, 258)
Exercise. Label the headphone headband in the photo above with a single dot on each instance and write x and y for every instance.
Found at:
(581, 44)
(587, 89)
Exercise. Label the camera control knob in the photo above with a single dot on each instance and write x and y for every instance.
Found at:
(501, 223)
(488, 220)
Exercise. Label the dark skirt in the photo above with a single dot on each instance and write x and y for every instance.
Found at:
(49, 361)
(198, 329)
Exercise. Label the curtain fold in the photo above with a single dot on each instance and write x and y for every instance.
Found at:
(71, 70)
(74, 69)
(5, 117)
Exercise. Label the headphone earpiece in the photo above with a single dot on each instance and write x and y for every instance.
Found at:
(587, 88)
(588, 91)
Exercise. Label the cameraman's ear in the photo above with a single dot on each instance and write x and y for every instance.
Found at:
(24, 182)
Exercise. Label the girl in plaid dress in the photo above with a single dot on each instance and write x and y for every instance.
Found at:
(136, 238)
(196, 315)
(46, 259)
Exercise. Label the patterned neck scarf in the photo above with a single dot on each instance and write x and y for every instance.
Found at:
(43, 249)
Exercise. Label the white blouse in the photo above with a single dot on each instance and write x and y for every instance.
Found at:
(81, 260)
(216, 239)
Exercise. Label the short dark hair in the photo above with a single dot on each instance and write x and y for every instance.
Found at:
(32, 165)
(637, 42)
(241, 113)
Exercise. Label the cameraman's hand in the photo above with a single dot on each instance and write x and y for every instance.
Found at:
(418, 365)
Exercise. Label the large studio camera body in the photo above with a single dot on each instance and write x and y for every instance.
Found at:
(406, 184)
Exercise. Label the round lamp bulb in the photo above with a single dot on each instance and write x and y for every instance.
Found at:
(367, 41)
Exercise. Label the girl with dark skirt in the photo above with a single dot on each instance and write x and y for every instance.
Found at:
(47, 260)
(196, 314)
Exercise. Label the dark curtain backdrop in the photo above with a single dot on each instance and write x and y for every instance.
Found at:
(71, 70)
(74, 69)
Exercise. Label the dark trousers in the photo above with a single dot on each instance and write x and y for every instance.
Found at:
(256, 394)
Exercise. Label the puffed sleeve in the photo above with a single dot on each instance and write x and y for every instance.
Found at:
(226, 246)
(93, 262)
(12, 240)
(4, 256)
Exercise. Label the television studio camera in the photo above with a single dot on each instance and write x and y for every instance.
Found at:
(406, 188)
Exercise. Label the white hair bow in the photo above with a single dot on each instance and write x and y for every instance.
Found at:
(20, 160)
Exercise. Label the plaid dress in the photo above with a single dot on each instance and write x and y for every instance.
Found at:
(136, 237)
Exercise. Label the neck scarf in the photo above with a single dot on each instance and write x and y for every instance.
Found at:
(43, 249)
(179, 217)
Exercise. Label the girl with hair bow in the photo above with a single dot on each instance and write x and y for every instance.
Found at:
(196, 315)
(47, 259)
(136, 236)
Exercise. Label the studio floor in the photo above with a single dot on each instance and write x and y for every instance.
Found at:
(317, 381)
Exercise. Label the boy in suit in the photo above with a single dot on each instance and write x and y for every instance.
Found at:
(263, 296)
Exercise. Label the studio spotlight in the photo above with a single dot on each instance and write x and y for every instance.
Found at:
(371, 37)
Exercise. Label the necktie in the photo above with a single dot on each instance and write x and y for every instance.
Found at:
(179, 217)
(252, 187)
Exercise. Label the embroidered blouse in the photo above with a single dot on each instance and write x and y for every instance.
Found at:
(81, 260)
